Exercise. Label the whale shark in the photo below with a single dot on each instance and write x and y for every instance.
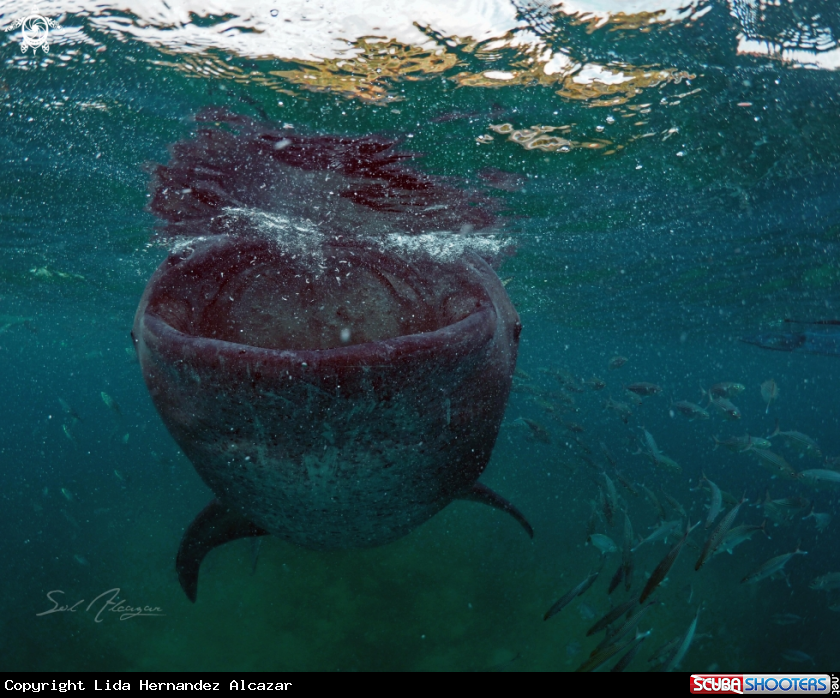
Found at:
(334, 366)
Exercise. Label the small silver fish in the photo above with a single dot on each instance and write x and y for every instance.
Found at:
(657, 456)
(736, 444)
(662, 532)
(726, 408)
(663, 654)
(821, 521)
(769, 393)
(69, 410)
(797, 438)
(820, 475)
(826, 582)
(716, 537)
(604, 655)
(685, 643)
(611, 499)
(656, 503)
(726, 389)
(775, 462)
(772, 566)
(611, 459)
(782, 511)
(634, 399)
(688, 409)
(738, 535)
(758, 442)
(797, 656)
(674, 504)
(786, 619)
(627, 553)
(604, 543)
(716, 503)
(110, 402)
(616, 362)
(615, 634)
(626, 484)
(538, 431)
(594, 518)
(545, 404)
(68, 495)
(622, 409)
(68, 433)
(586, 611)
(658, 575)
(612, 616)
(568, 598)
(630, 655)
(644, 389)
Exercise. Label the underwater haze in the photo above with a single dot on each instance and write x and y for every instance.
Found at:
(658, 182)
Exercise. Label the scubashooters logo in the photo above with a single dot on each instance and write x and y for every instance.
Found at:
(717, 683)
(779, 684)
(35, 31)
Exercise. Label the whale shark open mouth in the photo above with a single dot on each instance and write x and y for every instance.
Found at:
(334, 368)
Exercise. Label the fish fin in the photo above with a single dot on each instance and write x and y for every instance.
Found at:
(764, 529)
(483, 494)
(214, 526)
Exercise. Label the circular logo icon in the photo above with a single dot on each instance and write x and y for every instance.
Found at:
(35, 30)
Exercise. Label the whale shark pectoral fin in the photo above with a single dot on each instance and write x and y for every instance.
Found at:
(214, 526)
(483, 494)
